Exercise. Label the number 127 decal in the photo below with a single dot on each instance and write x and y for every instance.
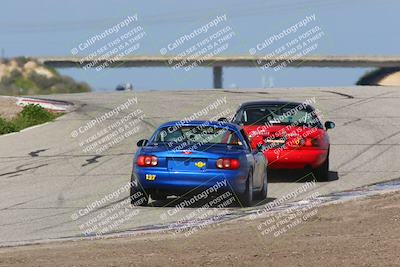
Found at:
(150, 177)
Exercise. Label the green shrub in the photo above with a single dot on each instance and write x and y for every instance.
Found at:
(7, 127)
(33, 114)
(29, 116)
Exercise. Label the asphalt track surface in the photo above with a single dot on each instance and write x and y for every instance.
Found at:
(46, 177)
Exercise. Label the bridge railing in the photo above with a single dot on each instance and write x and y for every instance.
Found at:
(218, 62)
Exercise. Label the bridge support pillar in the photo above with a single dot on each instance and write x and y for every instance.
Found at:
(217, 76)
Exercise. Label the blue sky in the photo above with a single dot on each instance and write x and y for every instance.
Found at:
(358, 27)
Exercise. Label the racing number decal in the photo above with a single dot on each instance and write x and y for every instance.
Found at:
(150, 177)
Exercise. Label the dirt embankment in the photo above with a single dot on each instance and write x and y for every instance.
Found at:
(8, 107)
(27, 76)
(358, 233)
(382, 77)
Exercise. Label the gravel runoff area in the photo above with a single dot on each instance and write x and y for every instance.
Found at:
(364, 232)
(8, 107)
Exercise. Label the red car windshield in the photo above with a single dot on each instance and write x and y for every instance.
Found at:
(278, 114)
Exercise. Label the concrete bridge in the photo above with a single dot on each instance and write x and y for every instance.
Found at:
(218, 62)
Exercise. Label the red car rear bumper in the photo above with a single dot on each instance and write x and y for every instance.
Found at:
(295, 159)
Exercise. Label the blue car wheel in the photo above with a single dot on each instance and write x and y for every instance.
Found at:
(246, 198)
(264, 190)
(138, 196)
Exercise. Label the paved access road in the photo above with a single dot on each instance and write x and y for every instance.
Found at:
(46, 177)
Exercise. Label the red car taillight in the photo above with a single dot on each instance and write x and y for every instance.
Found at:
(312, 142)
(147, 161)
(230, 164)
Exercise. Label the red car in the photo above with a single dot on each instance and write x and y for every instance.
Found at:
(290, 134)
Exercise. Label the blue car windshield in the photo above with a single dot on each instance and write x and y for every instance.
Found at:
(197, 134)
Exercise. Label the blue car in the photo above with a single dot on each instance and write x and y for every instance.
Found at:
(182, 157)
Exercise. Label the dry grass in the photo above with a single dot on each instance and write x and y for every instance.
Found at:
(8, 107)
